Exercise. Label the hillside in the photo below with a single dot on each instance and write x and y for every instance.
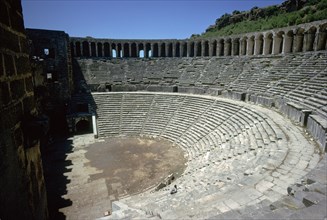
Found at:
(291, 12)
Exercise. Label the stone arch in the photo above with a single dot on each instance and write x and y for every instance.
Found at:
(169, 50)
(198, 49)
(258, 46)
(268, 43)
(126, 49)
(162, 50)
(184, 50)
(288, 42)
(243, 46)
(278, 42)
(155, 50)
(228, 47)
(78, 49)
(205, 48)
(236, 47)
(133, 50)
(298, 40)
(119, 50)
(147, 50)
(220, 47)
(72, 49)
(177, 49)
(86, 49)
(114, 51)
(99, 49)
(93, 49)
(213, 49)
(140, 50)
(83, 126)
(250, 46)
(322, 37)
(106, 49)
(191, 49)
(310, 36)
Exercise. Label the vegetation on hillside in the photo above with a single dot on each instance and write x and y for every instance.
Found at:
(267, 18)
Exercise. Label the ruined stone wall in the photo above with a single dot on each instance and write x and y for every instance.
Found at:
(22, 194)
(301, 38)
(52, 48)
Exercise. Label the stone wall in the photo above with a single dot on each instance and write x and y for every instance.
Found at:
(294, 83)
(22, 194)
(52, 49)
(301, 38)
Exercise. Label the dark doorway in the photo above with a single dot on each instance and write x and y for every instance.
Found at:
(83, 127)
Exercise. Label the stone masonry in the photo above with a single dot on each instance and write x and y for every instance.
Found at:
(22, 194)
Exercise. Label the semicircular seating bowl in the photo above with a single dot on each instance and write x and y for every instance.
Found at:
(238, 154)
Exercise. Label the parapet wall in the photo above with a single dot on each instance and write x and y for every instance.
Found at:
(300, 38)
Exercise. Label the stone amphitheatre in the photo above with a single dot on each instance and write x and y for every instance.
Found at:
(237, 123)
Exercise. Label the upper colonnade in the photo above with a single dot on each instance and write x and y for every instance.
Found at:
(301, 38)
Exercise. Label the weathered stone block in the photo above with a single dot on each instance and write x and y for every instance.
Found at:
(9, 65)
(317, 126)
(28, 103)
(192, 90)
(4, 94)
(24, 65)
(265, 101)
(24, 47)
(16, 20)
(160, 88)
(17, 89)
(29, 84)
(4, 17)
(214, 91)
(8, 40)
(295, 112)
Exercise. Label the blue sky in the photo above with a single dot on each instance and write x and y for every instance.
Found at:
(131, 19)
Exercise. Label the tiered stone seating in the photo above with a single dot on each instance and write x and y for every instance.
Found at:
(238, 154)
(109, 113)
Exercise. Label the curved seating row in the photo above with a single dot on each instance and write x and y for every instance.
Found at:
(238, 154)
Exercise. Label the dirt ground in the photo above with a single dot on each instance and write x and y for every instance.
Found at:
(131, 165)
(83, 177)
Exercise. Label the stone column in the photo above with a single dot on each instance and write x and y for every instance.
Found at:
(81, 48)
(277, 41)
(203, 48)
(110, 50)
(249, 47)
(159, 49)
(266, 45)
(210, 48)
(94, 125)
(74, 48)
(96, 50)
(287, 44)
(321, 41)
(152, 49)
(137, 50)
(174, 49)
(167, 49)
(257, 45)
(227, 48)
(90, 49)
(188, 50)
(145, 48)
(235, 47)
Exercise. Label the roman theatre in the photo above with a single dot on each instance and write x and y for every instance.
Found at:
(237, 123)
